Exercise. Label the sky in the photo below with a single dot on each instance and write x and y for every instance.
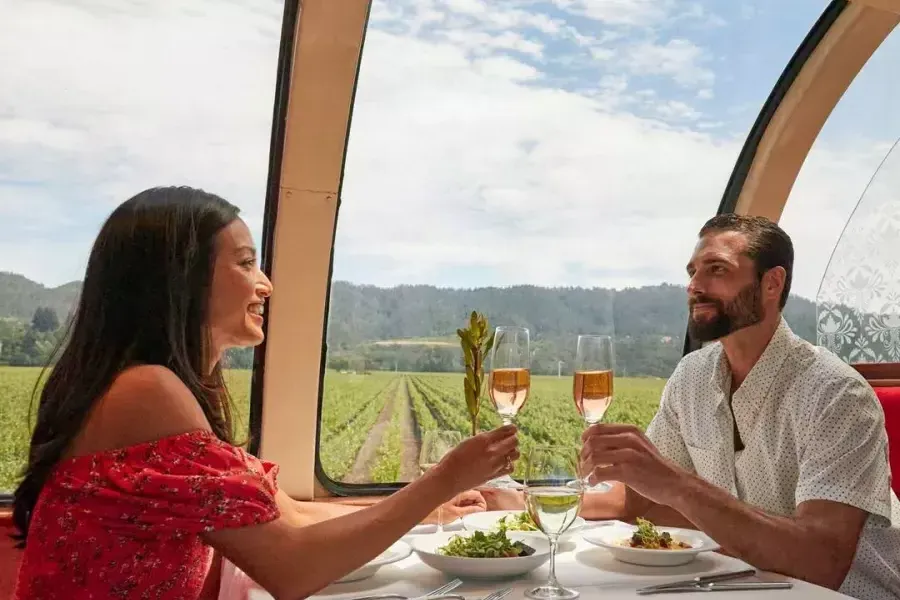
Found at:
(557, 142)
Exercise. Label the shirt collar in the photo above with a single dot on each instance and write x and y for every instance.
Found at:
(760, 378)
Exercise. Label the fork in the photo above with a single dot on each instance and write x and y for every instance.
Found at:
(498, 594)
(436, 594)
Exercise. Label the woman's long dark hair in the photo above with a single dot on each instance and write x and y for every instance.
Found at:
(144, 300)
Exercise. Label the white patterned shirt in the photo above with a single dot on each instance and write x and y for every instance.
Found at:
(812, 429)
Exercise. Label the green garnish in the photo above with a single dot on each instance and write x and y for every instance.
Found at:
(483, 545)
(519, 522)
(647, 536)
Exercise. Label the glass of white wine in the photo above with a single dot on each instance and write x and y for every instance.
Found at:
(592, 385)
(554, 490)
(436, 443)
(509, 381)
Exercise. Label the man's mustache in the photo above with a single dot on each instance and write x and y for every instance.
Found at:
(704, 300)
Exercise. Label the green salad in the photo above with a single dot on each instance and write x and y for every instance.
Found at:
(519, 522)
(485, 545)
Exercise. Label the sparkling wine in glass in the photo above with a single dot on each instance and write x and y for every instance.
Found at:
(592, 385)
(509, 382)
(553, 493)
(435, 445)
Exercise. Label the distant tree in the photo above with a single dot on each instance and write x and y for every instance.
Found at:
(44, 320)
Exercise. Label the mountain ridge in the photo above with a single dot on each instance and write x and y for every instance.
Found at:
(368, 324)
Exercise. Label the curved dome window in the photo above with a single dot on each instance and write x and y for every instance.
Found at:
(858, 304)
(549, 164)
(841, 201)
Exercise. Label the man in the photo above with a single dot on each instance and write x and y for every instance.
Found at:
(772, 446)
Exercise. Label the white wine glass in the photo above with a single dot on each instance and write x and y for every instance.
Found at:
(509, 381)
(436, 443)
(592, 384)
(554, 490)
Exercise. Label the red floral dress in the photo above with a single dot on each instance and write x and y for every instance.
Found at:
(125, 523)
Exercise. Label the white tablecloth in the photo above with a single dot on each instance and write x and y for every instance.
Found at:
(580, 565)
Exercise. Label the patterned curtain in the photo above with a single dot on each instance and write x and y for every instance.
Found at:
(858, 304)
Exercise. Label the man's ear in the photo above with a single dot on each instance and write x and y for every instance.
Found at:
(773, 282)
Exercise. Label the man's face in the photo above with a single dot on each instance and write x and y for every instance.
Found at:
(724, 294)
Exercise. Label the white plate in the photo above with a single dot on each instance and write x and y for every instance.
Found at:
(454, 525)
(490, 521)
(398, 551)
(613, 536)
(479, 568)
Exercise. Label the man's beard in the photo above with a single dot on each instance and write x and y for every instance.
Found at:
(743, 311)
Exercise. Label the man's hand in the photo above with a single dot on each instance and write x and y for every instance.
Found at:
(466, 503)
(614, 452)
(503, 499)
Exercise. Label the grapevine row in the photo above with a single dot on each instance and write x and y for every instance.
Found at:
(338, 452)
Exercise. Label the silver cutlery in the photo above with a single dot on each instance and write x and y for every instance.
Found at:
(722, 587)
(441, 593)
(498, 594)
(715, 583)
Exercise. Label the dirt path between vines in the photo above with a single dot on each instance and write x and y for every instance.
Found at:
(410, 436)
(368, 453)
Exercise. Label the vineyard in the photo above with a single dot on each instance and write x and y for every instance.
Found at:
(372, 424)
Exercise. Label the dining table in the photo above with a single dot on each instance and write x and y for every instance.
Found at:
(580, 565)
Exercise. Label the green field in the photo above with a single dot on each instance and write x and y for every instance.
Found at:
(371, 424)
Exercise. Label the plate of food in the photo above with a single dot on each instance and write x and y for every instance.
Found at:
(648, 545)
(398, 551)
(514, 520)
(482, 555)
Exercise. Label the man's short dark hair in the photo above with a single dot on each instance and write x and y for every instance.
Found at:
(768, 246)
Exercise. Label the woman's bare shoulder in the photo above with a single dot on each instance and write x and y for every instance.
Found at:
(144, 403)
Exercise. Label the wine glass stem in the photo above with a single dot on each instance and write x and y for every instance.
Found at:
(506, 420)
(554, 542)
(440, 519)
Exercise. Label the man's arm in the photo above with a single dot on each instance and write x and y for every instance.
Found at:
(816, 544)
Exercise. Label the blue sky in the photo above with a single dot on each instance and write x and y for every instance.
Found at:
(564, 142)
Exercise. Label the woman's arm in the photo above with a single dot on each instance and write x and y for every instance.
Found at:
(288, 556)
(271, 553)
(310, 513)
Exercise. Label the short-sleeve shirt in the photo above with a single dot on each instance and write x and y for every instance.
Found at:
(811, 429)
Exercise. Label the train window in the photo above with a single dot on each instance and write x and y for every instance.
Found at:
(104, 100)
(547, 164)
(842, 256)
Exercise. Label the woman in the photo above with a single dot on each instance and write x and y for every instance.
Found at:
(133, 486)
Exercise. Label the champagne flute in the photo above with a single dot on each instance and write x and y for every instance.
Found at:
(553, 493)
(436, 443)
(592, 385)
(509, 381)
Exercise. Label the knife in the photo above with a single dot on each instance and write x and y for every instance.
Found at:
(721, 587)
(700, 580)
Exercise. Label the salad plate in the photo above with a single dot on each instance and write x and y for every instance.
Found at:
(647, 545)
(398, 551)
(482, 555)
(516, 521)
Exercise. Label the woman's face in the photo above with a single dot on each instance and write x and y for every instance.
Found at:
(239, 291)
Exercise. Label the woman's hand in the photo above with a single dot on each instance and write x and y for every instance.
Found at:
(478, 459)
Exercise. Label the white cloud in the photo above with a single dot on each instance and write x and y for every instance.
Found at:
(104, 99)
(466, 150)
(480, 42)
(682, 60)
(620, 12)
